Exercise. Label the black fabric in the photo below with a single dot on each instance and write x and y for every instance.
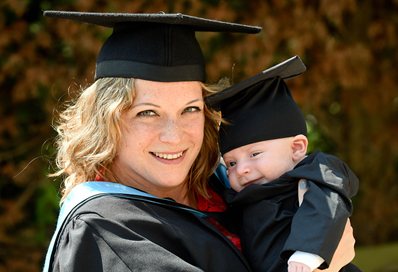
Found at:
(272, 226)
(117, 233)
(159, 47)
(152, 51)
(265, 111)
(289, 68)
(350, 268)
(111, 19)
(260, 108)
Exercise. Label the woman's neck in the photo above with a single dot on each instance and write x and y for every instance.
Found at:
(179, 194)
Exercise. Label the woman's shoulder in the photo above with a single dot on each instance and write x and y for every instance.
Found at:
(138, 228)
(105, 205)
(94, 195)
(111, 230)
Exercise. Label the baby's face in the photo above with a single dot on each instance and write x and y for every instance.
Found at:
(259, 163)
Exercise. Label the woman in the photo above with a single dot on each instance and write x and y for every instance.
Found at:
(137, 150)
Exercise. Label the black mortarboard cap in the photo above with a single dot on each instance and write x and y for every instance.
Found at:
(152, 46)
(260, 108)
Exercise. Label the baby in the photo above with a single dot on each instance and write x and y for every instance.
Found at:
(264, 147)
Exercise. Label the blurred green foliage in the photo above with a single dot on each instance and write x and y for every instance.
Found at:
(380, 258)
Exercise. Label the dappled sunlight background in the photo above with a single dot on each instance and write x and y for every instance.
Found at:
(349, 94)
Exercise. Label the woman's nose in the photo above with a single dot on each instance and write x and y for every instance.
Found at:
(171, 132)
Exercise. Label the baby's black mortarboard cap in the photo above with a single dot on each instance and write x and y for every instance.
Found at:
(260, 108)
(152, 46)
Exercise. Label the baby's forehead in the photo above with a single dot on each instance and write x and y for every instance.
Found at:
(246, 148)
(257, 146)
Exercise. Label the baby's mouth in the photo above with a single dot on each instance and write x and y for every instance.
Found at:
(256, 181)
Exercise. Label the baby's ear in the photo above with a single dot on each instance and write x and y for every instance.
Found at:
(299, 147)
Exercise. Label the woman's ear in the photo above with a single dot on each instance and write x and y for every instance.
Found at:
(299, 147)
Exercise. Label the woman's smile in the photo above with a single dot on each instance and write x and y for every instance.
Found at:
(170, 157)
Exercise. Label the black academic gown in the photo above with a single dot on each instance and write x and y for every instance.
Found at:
(272, 226)
(114, 232)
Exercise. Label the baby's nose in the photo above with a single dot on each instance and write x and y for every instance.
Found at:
(243, 169)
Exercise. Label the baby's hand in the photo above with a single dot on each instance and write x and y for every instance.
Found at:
(298, 267)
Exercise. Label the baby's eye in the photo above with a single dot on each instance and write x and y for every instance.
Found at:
(192, 109)
(254, 154)
(146, 113)
(230, 164)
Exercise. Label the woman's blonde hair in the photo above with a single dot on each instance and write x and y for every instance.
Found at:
(89, 134)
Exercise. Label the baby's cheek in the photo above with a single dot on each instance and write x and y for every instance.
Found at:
(233, 182)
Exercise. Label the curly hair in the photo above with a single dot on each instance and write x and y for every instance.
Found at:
(89, 134)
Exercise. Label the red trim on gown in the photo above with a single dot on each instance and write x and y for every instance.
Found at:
(216, 204)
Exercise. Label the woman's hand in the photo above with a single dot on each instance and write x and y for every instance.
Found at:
(345, 252)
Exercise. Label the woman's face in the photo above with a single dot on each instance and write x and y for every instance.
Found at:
(161, 136)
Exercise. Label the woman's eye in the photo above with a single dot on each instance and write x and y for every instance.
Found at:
(192, 109)
(146, 113)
